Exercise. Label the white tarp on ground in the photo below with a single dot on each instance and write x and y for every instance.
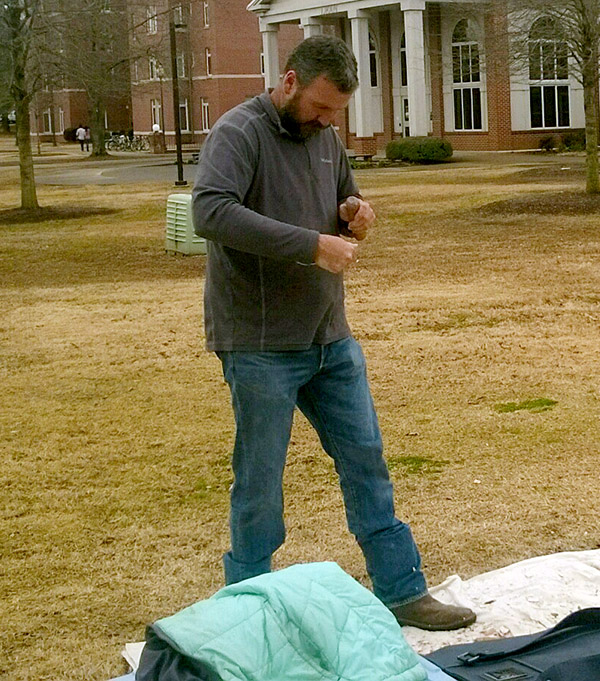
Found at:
(522, 598)
(518, 599)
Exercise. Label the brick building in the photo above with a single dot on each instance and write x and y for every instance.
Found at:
(219, 63)
(426, 68)
(444, 68)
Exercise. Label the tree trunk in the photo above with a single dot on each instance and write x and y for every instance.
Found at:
(97, 130)
(28, 189)
(592, 185)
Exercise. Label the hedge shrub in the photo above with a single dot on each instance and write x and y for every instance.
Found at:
(547, 143)
(70, 134)
(573, 140)
(419, 150)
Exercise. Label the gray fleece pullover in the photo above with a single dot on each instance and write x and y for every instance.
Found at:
(261, 198)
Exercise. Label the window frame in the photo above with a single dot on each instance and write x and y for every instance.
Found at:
(47, 121)
(467, 101)
(180, 60)
(205, 115)
(549, 82)
(153, 68)
(151, 20)
(374, 62)
(183, 105)
(156, 108)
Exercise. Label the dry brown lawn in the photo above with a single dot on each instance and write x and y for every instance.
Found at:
(479, 288)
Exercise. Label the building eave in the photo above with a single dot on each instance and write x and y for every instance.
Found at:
(259, 6)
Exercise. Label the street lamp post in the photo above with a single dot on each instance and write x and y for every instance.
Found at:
(161, 75)
(172, 39)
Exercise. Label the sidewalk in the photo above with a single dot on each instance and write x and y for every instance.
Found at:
(68, 152)
(66, 164)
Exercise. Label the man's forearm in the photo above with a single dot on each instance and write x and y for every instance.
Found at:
(223, 219)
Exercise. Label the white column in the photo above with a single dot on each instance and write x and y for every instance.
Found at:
(269, 34)
(359, 21)
(418, 110)
(311, 26)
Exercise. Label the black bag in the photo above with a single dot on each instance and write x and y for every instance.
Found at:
(569, 651)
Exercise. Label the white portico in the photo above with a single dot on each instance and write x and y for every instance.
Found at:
(358, 23)
(439, 67)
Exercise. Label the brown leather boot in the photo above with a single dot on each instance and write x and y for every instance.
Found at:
(427, 613)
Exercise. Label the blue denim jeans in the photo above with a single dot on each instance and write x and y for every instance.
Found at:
(329, 385)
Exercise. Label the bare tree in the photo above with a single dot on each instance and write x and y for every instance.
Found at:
(567, 38)
(6, 105)
(88, 47)
(18, 26)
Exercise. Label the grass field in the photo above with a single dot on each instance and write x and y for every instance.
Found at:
(477, 301)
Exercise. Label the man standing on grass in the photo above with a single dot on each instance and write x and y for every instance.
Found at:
(271, 196)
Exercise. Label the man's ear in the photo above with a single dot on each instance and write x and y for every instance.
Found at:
(290, 82)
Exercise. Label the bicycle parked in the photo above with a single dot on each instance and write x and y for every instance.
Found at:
(119, 142)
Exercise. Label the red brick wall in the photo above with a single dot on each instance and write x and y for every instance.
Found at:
(435, 59)
(498, 81)
(387, 101)
(235, 44)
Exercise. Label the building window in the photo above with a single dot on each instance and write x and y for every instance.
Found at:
(373, 60)
(184, 121)
(153, 68)
(403, 62)
(152, 22)
(205, 14)
(548, 76)
(208, 61)
(181, 65)
(262, 63)
(61, 119)
(466, 77)
(156, 113)
(178, 16)
(47, 120)
(205, 116)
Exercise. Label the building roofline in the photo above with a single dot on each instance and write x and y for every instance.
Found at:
(259, 6)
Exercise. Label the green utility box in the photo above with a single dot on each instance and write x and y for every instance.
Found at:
(180, 229)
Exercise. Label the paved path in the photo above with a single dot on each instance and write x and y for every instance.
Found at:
(114, 172)
(66, 165)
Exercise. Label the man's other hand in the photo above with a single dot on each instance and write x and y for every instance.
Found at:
(334, 254)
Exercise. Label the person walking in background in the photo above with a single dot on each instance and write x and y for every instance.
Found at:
(80, 136)
(274, 193)
(88, 138)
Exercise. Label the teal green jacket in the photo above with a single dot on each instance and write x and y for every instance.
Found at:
(309, 622)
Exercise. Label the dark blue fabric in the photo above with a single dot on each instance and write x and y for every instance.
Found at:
(162, 661)
(570, 651)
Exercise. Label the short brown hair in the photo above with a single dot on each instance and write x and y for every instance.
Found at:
(324, 55)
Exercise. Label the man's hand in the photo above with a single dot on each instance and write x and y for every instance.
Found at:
(358, 214)
(334, 254)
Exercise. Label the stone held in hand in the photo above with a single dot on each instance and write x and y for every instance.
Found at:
(349, 208)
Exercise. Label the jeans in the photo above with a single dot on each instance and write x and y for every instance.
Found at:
(329, 385)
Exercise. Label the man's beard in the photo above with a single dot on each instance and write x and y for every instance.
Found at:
(288, 114)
